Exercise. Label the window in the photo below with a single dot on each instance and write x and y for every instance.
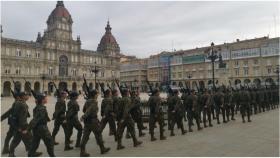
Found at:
(18, 53)
(50, 71)
(28, 70)
(7, 51)
(74, 72)
(268, 62)
(7, 71)
(18, 71)
(48, 56)
(37, 54)
(246, 71)
(237, 72)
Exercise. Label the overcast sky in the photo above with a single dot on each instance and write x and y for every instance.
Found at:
(146, 28)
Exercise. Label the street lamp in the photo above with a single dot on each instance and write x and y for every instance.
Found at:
(95, 71)
(212, 56)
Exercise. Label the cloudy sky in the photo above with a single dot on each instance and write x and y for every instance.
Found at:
(146, 28)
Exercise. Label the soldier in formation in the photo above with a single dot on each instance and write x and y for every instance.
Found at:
(124, 112)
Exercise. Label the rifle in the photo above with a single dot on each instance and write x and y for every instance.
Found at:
(32, 91)
(109, 86)
(57, 90)
(198, 91)
(87, 87)
(102, 88)
(188, 89)
(15, 84)
(13, 93)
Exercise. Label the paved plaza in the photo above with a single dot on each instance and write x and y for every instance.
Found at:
(258, 138)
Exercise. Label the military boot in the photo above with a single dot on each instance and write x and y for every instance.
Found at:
(68, 147)
(120, 146)
(210, 124)
(83, 153)
(104, 149)
(190, 129)
(162, 137)
(243, 120)
(183, 130)
(141, 134)
(136, 142)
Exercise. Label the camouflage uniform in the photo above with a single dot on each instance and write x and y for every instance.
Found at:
(125, 120)
(245, 105)
(206, 102)
(219, 101)
(73, 122)
(136, 114)
(156, 115)
(59, 118)
(177, 112)
(194, 110)
(108, 115)
(92, 124)
(18, 121)
(41, 131)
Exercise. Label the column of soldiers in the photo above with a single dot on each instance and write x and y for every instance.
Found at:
(201, 106)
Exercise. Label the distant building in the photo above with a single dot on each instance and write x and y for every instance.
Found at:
(252, 61)
(56, 56)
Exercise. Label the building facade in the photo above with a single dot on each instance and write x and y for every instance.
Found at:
(253, 61)
(133, 73)
(56, 57)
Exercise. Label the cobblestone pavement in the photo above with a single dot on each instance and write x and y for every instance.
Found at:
(258, 138)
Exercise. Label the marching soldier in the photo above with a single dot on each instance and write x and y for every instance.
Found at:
(18, 120)
(108, 113)
(227, 103)
(219, 101)
(245, 104)
(260, 100)
(206, 102)
(156, 115)
(232, 104)
(59, 115)
(177, 112)
(125, 120)
(192, 101)
(170, 114)
(136, 112)
(10, 132)
(92, 124)
(40, 128)
(253, 96)
(73, 121)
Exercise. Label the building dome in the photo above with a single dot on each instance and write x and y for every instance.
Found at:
(59, 12)
(108, 41)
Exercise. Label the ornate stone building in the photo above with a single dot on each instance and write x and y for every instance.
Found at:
(56, 56)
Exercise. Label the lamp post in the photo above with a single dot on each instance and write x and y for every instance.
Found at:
(212, 56)
(95, 71)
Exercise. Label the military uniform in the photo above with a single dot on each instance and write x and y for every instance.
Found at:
(41, 131)
(125, 120)
(227, 104)
(253, 96)
(245, 105)
(136, 114)
(10, 132)
(108, 115)
(92, 124)
(177, 112)
(206, 102)
(219, 101)
(194, 111)
(73, 122)
(261, 100)
(59, 118)
(156, 115)
(19, 122)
